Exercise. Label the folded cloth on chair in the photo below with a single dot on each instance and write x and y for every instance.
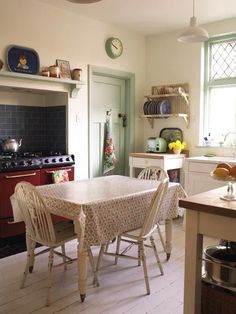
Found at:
(60, 176)
(109, 157)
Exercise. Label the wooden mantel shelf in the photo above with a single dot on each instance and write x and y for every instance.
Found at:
(38, 82)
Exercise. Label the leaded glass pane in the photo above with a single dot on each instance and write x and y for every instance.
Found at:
(222, 114)
(223, 60)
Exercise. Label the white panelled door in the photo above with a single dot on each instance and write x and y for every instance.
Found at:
(107, 93)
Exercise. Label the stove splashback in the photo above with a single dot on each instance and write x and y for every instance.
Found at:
(41, 128)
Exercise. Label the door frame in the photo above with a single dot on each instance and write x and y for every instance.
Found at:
(129, 79)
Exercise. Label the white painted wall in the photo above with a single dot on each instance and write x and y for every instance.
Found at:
(57, 34)
(171, 62)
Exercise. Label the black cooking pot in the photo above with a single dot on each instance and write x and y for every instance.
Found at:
(220, 265)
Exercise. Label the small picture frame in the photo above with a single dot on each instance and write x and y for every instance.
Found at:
(64, 68)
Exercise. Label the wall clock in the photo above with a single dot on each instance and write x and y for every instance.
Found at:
(114, 47)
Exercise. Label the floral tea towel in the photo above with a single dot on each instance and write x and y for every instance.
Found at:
(60, 176)
(109, 158)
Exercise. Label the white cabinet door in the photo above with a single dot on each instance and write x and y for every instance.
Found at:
(198, 179)
(198, 182)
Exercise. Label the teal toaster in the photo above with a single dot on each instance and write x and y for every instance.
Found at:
(156, 145)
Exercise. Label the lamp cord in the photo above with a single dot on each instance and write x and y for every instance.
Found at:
(193, 8)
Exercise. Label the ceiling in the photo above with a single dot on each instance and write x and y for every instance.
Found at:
(151, 16)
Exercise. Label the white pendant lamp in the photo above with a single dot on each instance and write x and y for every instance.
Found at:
(84, 1)
(194, 33)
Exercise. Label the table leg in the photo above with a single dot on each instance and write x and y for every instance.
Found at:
(193, 264)
(132, 172)
(82, 271)
(168, 231)
(82, 253)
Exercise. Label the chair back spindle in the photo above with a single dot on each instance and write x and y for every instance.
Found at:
(34, 212)
(153, 173)
(151, 217)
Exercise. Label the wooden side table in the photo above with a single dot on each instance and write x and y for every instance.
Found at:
(206, 214)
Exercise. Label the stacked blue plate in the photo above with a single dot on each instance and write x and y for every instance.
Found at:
(157, 107)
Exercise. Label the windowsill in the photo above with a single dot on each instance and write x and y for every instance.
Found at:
(215, 146)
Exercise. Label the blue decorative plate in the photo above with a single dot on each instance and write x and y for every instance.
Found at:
(145, 106)
(164, 107)
(22, 60)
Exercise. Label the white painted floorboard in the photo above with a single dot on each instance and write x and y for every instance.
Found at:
(122, 289)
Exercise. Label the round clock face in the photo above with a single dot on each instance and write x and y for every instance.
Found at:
(114, 47)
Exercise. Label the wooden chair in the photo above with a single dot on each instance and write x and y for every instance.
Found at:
(138, 236)
(158, 174)
(40, 229)
(153, 173)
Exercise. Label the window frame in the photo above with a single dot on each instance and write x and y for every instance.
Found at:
(212, 83)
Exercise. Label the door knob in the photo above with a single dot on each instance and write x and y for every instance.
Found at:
(124, 119)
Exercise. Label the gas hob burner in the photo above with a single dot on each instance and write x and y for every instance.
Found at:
(8, 155)
(31, 154)
(2, 157)
(55, 153)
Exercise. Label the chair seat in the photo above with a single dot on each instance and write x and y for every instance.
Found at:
(64, 230)
(135, 234)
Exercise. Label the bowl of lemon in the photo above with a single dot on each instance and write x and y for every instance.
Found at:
(226, 172)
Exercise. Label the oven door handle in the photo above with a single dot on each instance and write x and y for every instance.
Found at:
(21, 175)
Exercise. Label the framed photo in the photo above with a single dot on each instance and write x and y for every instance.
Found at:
(64, 68)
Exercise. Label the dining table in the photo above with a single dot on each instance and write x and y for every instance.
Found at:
(104, 207)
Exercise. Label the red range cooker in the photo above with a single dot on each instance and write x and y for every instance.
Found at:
(35, 168)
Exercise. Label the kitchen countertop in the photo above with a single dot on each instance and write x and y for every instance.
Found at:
(157, 156)
(214, 159)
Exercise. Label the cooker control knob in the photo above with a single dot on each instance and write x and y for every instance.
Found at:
(4, 164)
(13, 164)
(61, 159)
(46, 161)
(54, 160)
(67, 158)
(30, 162)
(22, 163)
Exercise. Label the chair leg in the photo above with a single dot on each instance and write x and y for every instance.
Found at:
(139, 256)
(100, 255)
(156, 254)
(161, 237)
(50, 266)
(117, 249)
(31, 261)
(106, 247)
(91, 260)
(28, 261)
(143, 257)
(63, 250)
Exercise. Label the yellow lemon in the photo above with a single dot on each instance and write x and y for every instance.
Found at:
(221, 172)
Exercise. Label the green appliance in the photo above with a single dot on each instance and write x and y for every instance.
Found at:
(156, 145)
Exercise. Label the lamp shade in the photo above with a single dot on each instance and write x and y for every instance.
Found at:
(83, 1)
(194, 33)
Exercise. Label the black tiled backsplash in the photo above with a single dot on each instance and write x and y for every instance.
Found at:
(41, 128)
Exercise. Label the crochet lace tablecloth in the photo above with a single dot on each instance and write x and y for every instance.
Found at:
(112, 204)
